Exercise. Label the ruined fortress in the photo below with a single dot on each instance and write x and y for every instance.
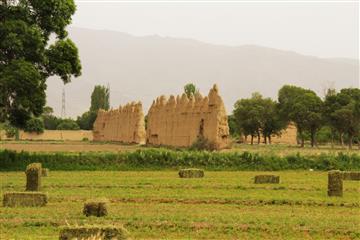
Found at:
(125, 124)
(177, 121)
(180, 121)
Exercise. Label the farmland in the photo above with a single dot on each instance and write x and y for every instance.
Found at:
(158, 204)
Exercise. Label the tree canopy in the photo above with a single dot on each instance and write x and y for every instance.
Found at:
(190, 89)
(28, 58)
(100, 98)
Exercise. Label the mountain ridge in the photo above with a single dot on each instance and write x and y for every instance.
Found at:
(144, 67)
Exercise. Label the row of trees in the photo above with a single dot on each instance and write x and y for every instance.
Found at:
(340, 112)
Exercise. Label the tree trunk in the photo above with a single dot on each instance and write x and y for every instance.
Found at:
(252, 139)
(265, 139)
(312, 138)
(332, 139)
(259, 138)
(270, 139)
(341, 139)
(351, 137)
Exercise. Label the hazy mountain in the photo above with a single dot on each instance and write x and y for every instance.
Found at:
(142, 68)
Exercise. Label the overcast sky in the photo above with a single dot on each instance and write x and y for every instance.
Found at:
(318, 29)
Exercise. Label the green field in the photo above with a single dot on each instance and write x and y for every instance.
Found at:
(159, 205)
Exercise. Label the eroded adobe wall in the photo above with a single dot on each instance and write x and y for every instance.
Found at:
(179, 121)
(288, 136)
(125, 124)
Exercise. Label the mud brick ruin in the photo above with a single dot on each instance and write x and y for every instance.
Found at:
(180, 121)
(125, 124)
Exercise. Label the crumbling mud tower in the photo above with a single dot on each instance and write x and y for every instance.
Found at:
(125, 124)
(180, 121)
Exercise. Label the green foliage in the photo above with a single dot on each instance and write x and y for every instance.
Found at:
(203, 143)
(35, 125)
(67, 124)
(165, 159)
(86, 120)
(342, 113)
(51, 122)
(190, 89)
(10, 131)
(100, 98)
(26, 59)
(304, 108)
(258, 115)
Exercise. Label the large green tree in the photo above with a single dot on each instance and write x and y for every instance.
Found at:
(100, 98)
(258, 116)
(342, 112)
(304, 108)
(27, 58)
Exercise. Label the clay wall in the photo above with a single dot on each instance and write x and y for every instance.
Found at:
(125, 124)
(179, 121)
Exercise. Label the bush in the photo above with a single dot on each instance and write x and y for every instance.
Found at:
(10, 131)
(154, 159)
(68, 124)
(203, 144)
(34, 125)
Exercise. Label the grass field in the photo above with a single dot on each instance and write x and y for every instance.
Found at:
(223, 205)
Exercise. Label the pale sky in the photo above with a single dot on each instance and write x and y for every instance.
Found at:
(317, 29)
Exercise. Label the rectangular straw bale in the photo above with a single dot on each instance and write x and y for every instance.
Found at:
(352, 176)
(33, 177)
(44, 172)
(94, 232)
(335, 183)
(24, 199)
(96, 207)
(191, 173)
(259, 179)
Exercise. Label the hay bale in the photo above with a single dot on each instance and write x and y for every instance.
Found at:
(335, 183)
(191, 173)
(24, 199)
(33, 177)
(94, 232)
(96, 208)
(259, 179)
(352, 176)
(44, 172)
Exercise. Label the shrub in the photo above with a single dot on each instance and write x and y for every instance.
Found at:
(159, 158)
(34, 125)
(203, 143)
(10, 131)
(68, 124)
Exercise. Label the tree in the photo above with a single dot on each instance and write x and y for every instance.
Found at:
(190, 89)
(86, 120)
(247, 114)
(26, 58)
(35, 125)
(342, 112)
(68, 124)
(100, 98)
(304, 108)
(258, 116)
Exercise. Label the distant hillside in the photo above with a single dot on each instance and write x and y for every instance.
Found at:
(142, 68)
